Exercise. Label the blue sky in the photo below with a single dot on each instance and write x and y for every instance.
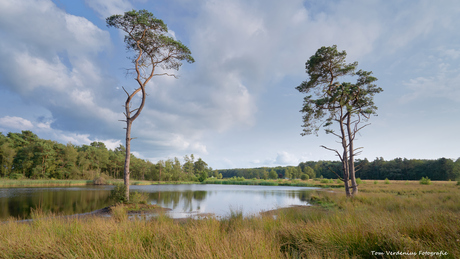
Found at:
(61, 72)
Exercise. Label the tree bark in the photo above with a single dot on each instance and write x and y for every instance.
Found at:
(129, 122)
(345, 159)
(351, 164)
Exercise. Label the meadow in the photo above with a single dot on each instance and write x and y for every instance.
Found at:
(393, 217)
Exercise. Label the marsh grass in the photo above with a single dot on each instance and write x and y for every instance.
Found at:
(402, 216)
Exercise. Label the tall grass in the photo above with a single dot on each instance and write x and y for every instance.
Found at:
(400, 217)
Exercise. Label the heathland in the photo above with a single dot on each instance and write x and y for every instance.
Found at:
(398, 217)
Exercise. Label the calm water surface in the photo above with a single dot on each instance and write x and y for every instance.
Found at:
(184, 200)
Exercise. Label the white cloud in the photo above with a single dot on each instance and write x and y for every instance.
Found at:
(16, 123)
(247, 53)
(284, 158)
(106, 8)
(50, 61)
(111, 143)
(450, 53)
(444, 84)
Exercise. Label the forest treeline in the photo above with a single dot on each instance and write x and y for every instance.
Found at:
(25, 155)
(379, 169)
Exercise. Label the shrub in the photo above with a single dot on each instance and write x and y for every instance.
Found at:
(338, 181)
(100, 180)
(16, 176)
(359, 181)
(304, 177)
(239, 179)
(118, 193)
(203, 176)
(375, 182)
(138, 198)
(387, 181)
(425, 180)
(325, 180)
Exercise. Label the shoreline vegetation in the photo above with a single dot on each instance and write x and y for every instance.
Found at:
(321, 183)
(26, 156)
(395, 217)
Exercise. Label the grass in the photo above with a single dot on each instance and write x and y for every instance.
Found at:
(403, 216)
(31, 183)
(327, 183)
(5, 182)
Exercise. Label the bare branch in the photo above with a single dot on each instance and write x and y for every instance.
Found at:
(125, 90)
(338, 176)
(334, 150)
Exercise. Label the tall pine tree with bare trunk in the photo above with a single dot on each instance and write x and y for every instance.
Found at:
(147, 37)
(333, 102)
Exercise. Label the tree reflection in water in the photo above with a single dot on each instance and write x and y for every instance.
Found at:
(201, 201)
(18, 202)
(217, 199)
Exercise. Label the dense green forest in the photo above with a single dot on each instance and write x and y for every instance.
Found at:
(379, 169)
(25, 155)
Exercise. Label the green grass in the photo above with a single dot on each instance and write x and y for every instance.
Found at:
(31, 183)
(279, 182)
(326, 183)
(4, 182)
(402, 216)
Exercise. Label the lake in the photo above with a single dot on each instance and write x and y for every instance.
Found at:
(184, 200)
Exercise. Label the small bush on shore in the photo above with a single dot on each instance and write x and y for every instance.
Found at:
(304, 177)
(118, 194)
(138, 198)
(425, 181)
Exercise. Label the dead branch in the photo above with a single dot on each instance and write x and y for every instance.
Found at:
(125, 90)
(338, 176)
(335, 150)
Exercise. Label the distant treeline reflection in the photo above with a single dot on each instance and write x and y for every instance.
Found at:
(18, 202)
(172, 199)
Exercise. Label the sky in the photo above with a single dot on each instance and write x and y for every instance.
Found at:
(62, 71)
